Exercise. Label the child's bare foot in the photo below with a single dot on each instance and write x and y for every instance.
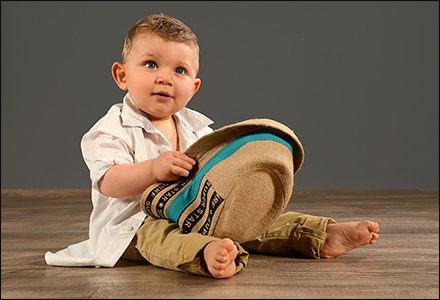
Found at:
(343, 237)
(219, 258)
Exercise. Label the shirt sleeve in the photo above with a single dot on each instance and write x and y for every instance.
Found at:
(101, 151)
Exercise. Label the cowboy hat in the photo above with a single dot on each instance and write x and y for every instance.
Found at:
(241, 183)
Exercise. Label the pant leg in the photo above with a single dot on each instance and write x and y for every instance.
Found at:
(163, 243)
(292, 234)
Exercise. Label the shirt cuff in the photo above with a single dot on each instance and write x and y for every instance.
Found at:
(100, 167)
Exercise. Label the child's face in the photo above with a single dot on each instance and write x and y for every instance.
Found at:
(160, 75)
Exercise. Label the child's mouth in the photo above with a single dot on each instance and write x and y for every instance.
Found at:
(162, 95)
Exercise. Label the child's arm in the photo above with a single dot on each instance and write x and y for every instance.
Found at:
(128, 180)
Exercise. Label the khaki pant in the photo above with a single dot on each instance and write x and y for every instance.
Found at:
(163, 243)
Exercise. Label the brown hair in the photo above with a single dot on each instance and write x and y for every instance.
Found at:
(164, 26)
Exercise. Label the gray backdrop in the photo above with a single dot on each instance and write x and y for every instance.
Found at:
(356, 81)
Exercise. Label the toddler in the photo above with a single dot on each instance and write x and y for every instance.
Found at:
(141, 141)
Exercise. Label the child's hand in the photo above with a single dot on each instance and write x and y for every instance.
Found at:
(171, 165)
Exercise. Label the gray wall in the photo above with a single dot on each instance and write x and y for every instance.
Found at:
(356, 81)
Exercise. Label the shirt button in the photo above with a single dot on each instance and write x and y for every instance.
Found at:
(128, 228)
(162, 150)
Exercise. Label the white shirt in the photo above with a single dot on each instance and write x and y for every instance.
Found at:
(123, 135)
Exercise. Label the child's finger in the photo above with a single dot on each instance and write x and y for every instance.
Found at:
(179, 171)
(185, 158)
(184, 164)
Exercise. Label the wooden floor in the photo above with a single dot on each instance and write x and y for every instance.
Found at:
(404, 263)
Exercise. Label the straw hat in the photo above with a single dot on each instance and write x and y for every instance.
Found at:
(241, 183)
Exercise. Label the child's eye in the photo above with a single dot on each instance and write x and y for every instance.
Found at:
(151, 65)
(180, 71)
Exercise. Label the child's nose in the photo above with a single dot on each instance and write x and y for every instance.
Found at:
(164, 78)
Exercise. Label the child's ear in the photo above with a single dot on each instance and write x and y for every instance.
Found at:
(197, 83)
(118, 74)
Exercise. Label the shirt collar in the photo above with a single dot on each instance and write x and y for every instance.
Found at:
(186, 118)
